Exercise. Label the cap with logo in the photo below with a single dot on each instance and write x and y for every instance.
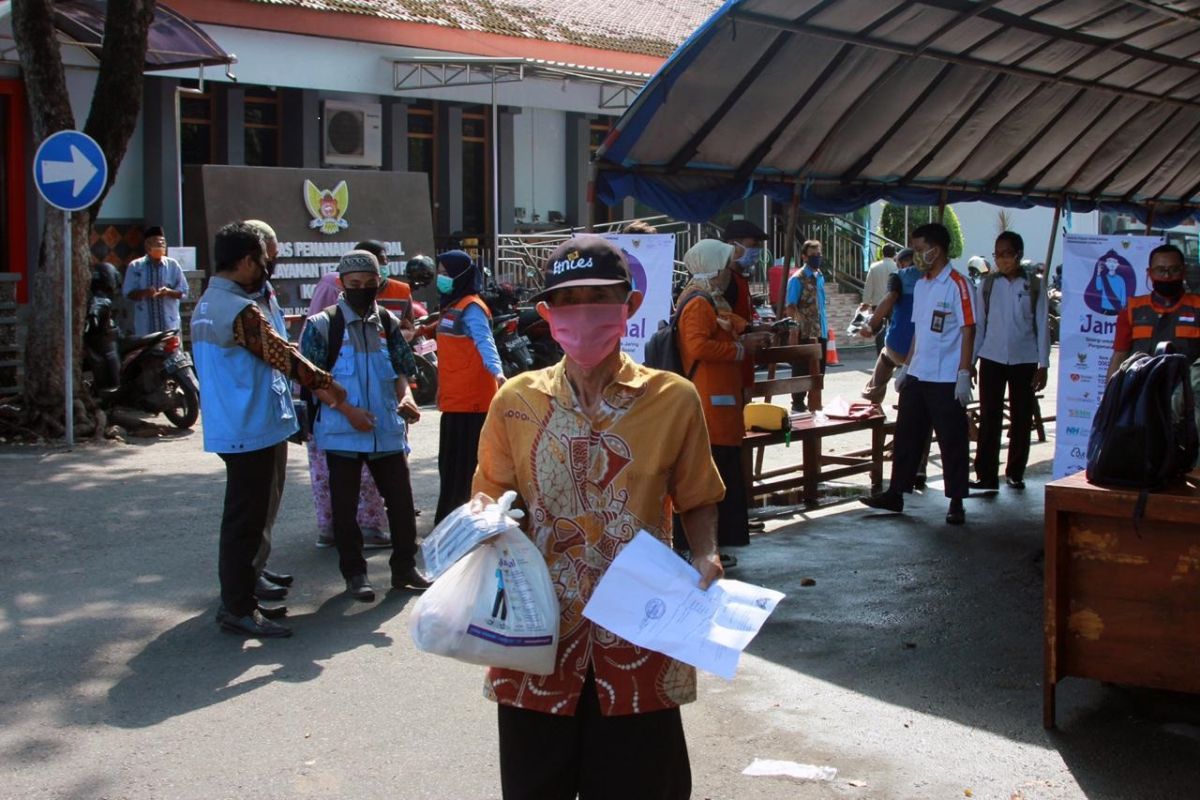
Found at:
(358, 261)
(584, 260)
(743, 229)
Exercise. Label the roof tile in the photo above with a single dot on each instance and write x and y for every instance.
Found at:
(646, 27)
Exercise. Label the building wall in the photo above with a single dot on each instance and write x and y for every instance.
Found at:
(125, 199)
(980, 224)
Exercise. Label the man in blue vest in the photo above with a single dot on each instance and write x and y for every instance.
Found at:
(271, 585)
(244, 367)
(373, 362)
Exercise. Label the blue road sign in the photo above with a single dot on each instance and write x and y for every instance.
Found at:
(69, 170)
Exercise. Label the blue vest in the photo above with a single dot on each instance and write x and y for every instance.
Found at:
(900, 330)
(364, 367)
(247, 404)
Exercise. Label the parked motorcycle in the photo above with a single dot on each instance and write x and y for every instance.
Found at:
(157, 375)
(424, 348)
(514, 347)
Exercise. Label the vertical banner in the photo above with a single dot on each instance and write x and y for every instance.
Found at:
(1100, 275)
(651, 260)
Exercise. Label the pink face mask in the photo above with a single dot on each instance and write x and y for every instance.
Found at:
(588, 333)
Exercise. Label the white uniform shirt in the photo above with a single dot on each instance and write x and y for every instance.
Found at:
(942, 307)
(875, 288)
(1006, 326)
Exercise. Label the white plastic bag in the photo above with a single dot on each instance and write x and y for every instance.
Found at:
(462, 530)
(494, 607)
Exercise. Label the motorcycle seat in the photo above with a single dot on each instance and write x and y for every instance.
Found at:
(131, 343)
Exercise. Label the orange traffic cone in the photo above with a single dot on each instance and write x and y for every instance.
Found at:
(831, 356)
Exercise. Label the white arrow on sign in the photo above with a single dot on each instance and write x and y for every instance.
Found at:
(78, 169)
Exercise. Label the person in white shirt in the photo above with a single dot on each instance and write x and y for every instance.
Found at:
(155, 283)
(1013, 350)
(875, 288)
(935, 383)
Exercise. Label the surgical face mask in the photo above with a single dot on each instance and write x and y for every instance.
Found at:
(749, 257)
(923, 259)
(361, 299)
(814, 261)
(445, 284)
(157, 252)
(707, 277)
(1172, 290)
(588, 334)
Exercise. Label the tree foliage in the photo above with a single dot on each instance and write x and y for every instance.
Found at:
(891, 224)
(111, 120)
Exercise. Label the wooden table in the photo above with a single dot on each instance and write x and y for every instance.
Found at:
(1122, 604)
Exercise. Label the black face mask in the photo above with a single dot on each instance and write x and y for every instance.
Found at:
(362, 299)
(1172, 290)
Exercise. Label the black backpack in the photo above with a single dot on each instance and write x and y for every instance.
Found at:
(662, 348)
(1139, 439)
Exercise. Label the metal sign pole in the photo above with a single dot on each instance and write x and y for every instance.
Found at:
(68, 334)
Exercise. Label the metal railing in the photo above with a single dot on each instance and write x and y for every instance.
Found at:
(847, 246)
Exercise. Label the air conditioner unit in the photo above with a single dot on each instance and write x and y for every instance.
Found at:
(352, 134)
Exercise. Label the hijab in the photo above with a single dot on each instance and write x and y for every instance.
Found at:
(704, 261)
(465, 273)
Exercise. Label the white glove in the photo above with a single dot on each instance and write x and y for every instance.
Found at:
(901, 376)
(504, 506)
(962, 388)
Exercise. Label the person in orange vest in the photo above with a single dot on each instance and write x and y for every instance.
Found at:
(469, 373)
(1168, 314)
(394, 295)
(715, 344)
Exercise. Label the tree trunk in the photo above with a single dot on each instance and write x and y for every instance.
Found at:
(115, 107)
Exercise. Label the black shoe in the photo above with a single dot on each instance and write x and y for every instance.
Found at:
(253, 624)
(1015, 483)
(360, 589)
(756, 525)
(409, 579)
(273, 612)
(985, 486)
(919, 483)
(799, 408)
(956, 515)
(884, 501)
(728, 561)
(278, 578)
(266, 590)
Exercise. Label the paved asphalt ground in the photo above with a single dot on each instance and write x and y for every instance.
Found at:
(913, 665)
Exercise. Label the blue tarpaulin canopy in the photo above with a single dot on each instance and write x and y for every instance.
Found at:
(1086, 103)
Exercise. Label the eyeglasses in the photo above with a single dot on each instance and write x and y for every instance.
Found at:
(1005, 254)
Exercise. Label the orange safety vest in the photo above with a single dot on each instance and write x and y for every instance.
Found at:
(395, 296)
(464, 383)
(1179, 325)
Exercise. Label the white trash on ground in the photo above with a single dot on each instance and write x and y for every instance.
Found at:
(790, 769)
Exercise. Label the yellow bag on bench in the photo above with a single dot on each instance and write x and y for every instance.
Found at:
(765, 417)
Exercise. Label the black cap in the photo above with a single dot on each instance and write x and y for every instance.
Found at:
(151, 231)
(743, 229)
(584, 260)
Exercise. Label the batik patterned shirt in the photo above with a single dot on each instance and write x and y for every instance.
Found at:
(589, 485)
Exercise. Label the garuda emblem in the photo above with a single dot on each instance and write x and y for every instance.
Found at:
(328, 208)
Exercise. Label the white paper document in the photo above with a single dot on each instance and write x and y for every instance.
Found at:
(651, 597)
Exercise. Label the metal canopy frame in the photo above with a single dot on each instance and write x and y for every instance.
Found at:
(617, 90)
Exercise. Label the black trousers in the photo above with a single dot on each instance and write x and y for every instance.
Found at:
(248, 478)
(553, 757)
(392, 479)
(733, 529)
(800, 399)
(458, 453)
(993, 378)
(926, 406)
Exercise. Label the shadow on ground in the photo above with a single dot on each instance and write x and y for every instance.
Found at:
(947, 621)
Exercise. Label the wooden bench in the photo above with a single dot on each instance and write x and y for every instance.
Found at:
(807, 433)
